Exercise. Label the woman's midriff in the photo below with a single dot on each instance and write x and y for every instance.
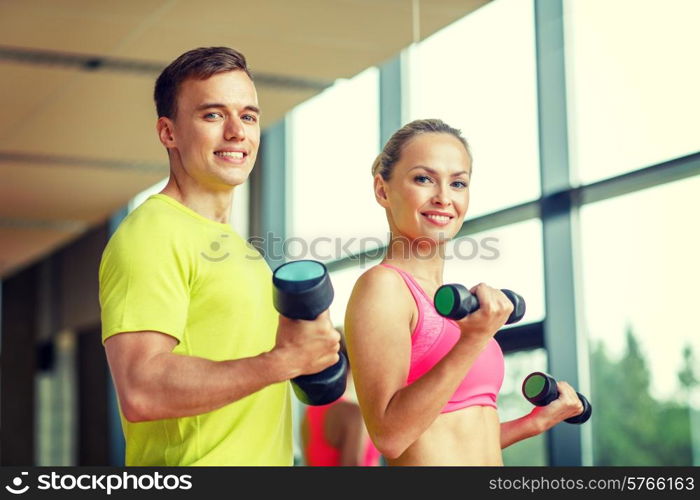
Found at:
(471, 436)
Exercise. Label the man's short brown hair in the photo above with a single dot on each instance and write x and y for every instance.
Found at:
(198, 63)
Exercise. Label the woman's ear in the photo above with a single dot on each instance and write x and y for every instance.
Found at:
(165, 126)
(380, 191)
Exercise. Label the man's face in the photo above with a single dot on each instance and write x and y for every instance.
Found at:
(216, 131)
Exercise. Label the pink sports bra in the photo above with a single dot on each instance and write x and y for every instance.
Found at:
(432, 339)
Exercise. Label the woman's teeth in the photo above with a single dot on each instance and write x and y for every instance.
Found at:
(439, 218)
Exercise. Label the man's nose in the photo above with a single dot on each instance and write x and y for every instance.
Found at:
(235, 130)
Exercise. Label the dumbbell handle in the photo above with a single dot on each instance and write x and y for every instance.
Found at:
(540, 389)
(455, 301)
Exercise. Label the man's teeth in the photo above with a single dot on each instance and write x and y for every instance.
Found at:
(438, 218)
(230, 154)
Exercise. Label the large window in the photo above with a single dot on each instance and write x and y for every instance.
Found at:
(507, 257)
(478, 75)
(512, 405)
(640, 274)
(343, 282)
(631, 85)
(56, 407)
(632, 80)
(334, 140)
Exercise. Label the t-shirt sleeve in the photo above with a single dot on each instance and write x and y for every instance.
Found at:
(144, 285)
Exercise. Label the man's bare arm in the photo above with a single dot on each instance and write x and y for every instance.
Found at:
(154, 383)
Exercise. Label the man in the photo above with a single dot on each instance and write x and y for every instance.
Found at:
(198, 355)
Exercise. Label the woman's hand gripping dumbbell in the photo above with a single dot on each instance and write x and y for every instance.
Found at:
(540, 389)
(454, 301)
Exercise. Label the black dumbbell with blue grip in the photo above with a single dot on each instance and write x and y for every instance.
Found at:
(302, 290)
(454, 301)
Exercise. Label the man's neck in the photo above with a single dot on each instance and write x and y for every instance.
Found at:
(214, 205)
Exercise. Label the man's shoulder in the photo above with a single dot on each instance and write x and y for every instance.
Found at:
(150, 213)
(149, 228)
(154, 221)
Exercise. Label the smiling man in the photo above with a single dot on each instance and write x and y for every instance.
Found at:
(199, 357)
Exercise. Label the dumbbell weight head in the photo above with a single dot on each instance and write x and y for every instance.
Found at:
(302, 289)
(454, 301)
(324, 387)
(585, 414)
(518, 306)
(540, 389)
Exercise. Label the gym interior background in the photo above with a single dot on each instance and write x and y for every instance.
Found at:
(583, 121)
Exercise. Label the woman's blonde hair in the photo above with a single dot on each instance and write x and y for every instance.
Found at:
(385, 161)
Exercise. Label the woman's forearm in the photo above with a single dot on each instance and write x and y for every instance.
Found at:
(522, 428)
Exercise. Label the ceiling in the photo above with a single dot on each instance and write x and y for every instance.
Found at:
(77, 127)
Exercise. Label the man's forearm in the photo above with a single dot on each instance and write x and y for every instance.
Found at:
(173, 385)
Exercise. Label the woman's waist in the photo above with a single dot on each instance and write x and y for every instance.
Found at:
(470, 436)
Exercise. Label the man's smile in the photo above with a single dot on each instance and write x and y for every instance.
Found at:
(231, 156)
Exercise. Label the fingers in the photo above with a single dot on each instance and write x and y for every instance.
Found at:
(326, 316)
(492, 300)
(569, 398)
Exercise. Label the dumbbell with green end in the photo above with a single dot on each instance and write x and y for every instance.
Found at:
(302, 290)
(454, 301)
(540, 389)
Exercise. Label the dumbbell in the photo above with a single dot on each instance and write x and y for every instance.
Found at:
(454, 301)
(540, 389)
(302, 290)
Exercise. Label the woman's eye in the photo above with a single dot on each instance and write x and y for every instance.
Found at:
(422, 179)
(460, 184)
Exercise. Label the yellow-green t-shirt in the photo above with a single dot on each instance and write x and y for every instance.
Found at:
(171, 270)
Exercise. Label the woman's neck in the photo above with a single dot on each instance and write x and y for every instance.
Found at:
(423, 260)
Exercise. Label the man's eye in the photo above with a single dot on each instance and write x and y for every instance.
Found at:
(212, 116)
(250, 118)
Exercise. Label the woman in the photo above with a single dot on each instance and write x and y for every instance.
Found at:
(427, 386)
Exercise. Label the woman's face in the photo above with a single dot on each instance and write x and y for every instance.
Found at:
(428, 193)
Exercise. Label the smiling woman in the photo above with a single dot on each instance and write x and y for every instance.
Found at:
(434, 178)
(428, 385)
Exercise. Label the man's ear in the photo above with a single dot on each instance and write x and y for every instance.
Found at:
(165, 127)
(380, 191)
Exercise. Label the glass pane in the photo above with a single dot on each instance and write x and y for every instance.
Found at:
(334, 140)
(56, 405)
(640, 273)
(633, 80)
(507, 257)
(478, 75)
(512, 404)
(343, 282)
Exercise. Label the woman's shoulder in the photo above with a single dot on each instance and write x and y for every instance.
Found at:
(384, 288)
(380, 279)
